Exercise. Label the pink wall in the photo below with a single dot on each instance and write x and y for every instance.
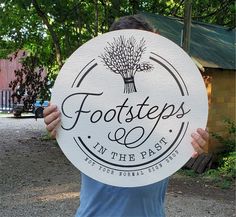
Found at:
(7, 68)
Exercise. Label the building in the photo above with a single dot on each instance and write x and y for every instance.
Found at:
(7, 74)
(212, 48)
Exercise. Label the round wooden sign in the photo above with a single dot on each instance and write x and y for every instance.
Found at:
(129, 101)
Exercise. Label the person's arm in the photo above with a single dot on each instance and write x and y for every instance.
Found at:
(52, 119)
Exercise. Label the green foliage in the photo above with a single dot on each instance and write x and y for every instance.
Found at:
(217, 12)
(228, 166)
(224, 174)
(46, 137)
(53, 30)
(29, 83)
(216, 178)
(188, 172)
(226, 158)
(213, 177)
(228, 140)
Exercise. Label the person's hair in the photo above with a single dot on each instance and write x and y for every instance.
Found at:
(131, 22)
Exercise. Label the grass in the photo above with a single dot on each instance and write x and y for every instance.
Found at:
(188, 172)
(46, 137)
(219, 180)
(5, 114)
(211, 177)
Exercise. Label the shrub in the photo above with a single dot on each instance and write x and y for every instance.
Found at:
(226, 158)
(228, 166)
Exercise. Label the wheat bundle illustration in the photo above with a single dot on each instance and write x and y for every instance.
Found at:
(123, 57)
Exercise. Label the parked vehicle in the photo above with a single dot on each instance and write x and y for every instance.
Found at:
(18, 108)
(37, 108)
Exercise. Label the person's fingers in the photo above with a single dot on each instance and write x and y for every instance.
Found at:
(203, 133)
(48, 110)
(195, 154)
(53, 125)
(197, 148)
(51, 117)
(198, 139)
(53, 134)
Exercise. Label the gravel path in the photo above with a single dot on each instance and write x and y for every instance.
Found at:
(36, 180)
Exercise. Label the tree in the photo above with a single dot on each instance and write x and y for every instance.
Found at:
(54, 37)
(52, 30)
(29, 83)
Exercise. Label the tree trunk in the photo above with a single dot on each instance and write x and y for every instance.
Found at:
(187, 25)
(52, 33)
(135, 6)
(96, 18)
(114, 11)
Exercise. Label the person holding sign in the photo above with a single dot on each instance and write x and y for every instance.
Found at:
(103, 200)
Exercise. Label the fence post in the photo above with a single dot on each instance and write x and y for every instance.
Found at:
(6, 103)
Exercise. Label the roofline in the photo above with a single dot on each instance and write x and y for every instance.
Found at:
(192, 21)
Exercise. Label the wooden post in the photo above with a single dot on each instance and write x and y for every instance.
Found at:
(96, 18)
(187, 25)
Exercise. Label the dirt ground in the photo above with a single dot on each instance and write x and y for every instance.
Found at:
(37, 180)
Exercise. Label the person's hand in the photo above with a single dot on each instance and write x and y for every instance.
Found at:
(51, 119)
(199, 140)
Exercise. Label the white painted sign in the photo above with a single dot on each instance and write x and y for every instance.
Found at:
(129, 100)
